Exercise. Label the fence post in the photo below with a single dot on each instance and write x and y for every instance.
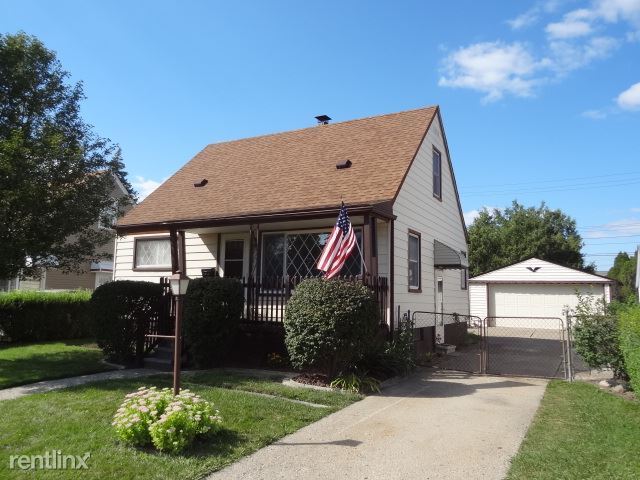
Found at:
(569, 349)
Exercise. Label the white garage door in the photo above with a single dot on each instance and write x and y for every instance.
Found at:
(531, 300)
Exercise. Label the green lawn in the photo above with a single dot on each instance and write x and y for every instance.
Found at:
(78, 420)
(23, 364)
(581, 432)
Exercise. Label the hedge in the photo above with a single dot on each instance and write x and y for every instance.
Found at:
(330, 324)
(629, 325)
(34, 316)
(120, 312)
(212, 311)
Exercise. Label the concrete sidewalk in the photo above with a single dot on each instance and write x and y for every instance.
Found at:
(435, 425)
(48, 385)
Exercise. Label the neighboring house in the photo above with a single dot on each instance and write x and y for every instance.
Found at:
(94, 273)
(263, 207)
(533, 288)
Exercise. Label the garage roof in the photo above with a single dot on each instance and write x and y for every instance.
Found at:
(535, 270)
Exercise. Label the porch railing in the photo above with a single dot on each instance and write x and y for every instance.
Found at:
(266, 299)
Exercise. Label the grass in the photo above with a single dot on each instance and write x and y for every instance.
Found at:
(22, 364)
(78, 420)
(580, 432)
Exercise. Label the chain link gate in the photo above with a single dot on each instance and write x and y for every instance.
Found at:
(513, 346)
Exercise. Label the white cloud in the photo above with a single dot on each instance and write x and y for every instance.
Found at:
(628, 226)
(574, 24)
(493, 68)
(595, 114)
(566, 56)
(630, 98)
(471, 215)
(497, 68)
(531, 16)
(144, 186)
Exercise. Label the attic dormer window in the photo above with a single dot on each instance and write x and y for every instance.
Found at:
(343, 164)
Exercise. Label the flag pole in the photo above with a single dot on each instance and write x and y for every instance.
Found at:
(364, 264)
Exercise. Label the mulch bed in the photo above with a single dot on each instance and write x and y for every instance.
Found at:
(316, 379)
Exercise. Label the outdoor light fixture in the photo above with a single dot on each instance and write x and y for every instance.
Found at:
(179, 283)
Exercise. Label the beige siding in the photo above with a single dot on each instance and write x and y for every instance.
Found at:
(417, 209)
(200, 253)
(478, 299)
(57, 280)
(383, 248)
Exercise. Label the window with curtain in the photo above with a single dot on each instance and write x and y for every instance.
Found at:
(153, 253)
(296, 254)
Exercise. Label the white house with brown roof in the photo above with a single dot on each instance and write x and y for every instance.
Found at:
(262, 208)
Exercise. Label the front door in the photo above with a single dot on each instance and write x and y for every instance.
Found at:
(233, 259)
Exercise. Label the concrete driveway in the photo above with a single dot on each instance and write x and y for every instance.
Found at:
(434, 425)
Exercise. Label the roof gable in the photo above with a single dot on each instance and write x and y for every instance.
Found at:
(535, 270)
(291, 171)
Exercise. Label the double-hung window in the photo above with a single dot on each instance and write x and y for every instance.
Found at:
(414, 275)
(152, 253)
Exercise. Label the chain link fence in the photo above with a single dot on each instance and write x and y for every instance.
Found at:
(514, 346)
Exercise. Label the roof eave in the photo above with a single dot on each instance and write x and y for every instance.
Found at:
(382, 210)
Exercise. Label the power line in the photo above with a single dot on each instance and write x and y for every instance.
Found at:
(558, 188)
(613, 236)
(555, 180)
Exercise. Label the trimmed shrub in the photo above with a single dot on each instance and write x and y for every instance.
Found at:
(330, 324)
(629, 324)
(595, 333)
(120, 312)
(212, 311)
(32, 316)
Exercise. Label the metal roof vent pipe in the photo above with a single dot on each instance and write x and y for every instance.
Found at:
(323, 119)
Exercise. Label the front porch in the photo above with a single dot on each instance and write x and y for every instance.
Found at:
(270, 258)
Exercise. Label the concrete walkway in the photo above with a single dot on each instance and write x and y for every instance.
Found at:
(435, 425)
(48, 385)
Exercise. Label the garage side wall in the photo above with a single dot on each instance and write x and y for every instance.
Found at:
(478, 299)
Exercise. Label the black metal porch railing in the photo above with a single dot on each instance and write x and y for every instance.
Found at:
(266, 298)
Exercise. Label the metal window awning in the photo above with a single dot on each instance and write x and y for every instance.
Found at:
(104, 266)
(447, 257)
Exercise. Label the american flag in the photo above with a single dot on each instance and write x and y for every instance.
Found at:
(339, 246)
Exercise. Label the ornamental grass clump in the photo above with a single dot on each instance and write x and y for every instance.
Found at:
(170, 423)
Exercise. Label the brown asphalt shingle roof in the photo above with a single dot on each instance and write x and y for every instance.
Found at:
(291, 171)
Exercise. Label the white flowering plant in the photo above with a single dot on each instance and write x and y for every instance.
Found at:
(170, 423)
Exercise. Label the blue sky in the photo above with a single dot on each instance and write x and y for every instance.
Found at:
(541, 100)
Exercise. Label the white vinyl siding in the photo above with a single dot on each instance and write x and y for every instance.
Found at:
(417, 209)
(478, 300)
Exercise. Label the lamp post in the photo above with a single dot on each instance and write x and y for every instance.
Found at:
(178, 283)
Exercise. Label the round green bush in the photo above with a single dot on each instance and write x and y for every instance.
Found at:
(330, 324)
(120, 312)
(212, 311)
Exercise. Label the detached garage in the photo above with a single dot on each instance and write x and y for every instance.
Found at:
(532, 288)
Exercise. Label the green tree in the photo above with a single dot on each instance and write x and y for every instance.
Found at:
(55, 172)
(624, 271)
(502, 237)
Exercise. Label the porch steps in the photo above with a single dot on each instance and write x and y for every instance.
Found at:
(162, 357)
